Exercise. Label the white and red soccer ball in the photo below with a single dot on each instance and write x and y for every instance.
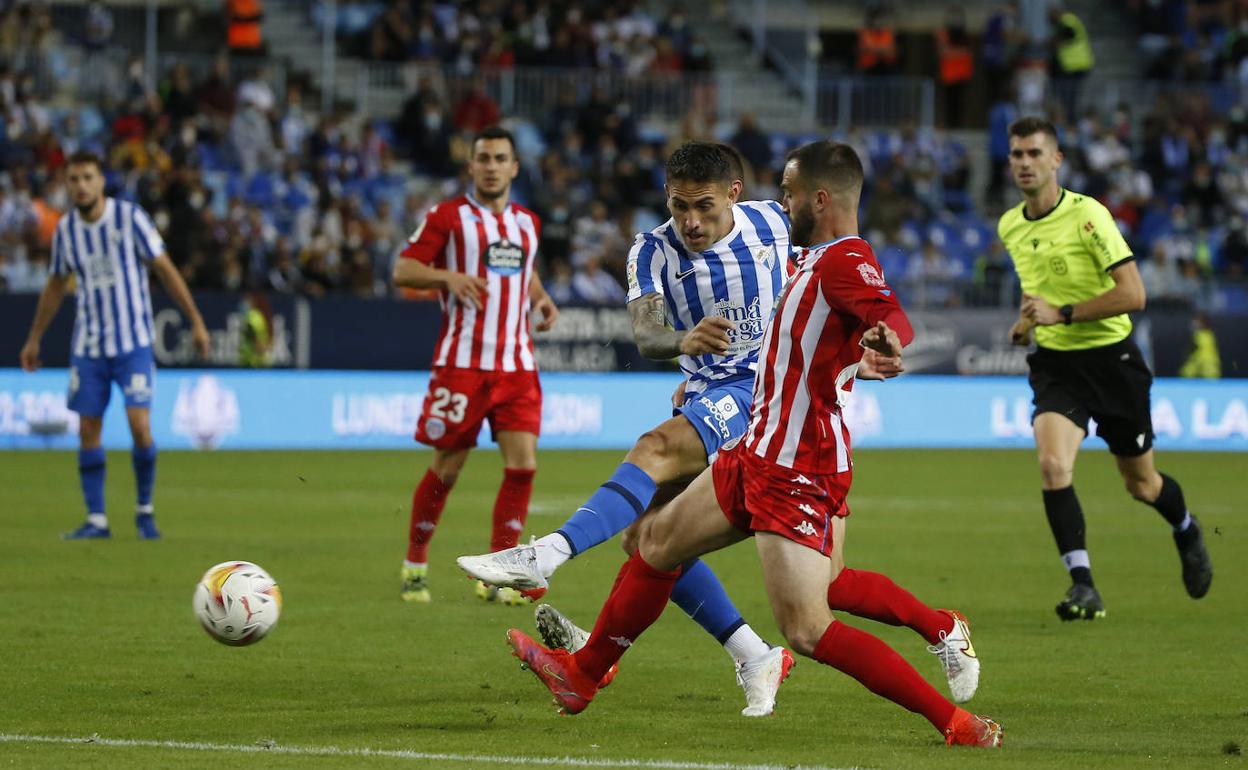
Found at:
(237, 603)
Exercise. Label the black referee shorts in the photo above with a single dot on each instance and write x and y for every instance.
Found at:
(1108, 384)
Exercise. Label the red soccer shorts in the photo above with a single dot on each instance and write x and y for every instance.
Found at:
(460, 400)
(759, 496)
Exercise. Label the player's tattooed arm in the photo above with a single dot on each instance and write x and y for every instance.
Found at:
(655, 339)
(658, 342)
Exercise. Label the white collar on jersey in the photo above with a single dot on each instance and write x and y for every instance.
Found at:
(478, 204)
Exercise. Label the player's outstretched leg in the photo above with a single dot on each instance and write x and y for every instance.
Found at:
(638, 598)
(143, 459)
(91, 477)
(875, 596)
(616, 504)
(882, 671)
(558, 632)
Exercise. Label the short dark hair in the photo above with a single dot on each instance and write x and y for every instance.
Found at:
(830, 166)
(496, 132)
(702, 162)
(1033, 125)
(81, 157)
(735, 162)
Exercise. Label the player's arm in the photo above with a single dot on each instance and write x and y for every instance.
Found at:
(658, 342)
(863, 294)
(171, 279)
(1126, 296)
(416, 265)
(1099, 234)
(49, 302)
(541, 302)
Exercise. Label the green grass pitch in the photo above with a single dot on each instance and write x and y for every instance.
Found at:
(98, 637)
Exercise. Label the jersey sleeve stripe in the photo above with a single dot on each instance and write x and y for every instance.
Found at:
(1120, 263)
(148, 236)
(643, 256)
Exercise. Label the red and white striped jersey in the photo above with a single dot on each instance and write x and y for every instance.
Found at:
(463, 235)
(810, 354)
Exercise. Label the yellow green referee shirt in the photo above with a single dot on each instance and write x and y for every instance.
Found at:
(1065, 257)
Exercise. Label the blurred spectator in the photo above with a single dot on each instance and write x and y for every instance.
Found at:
(596, 286)
(559, 283)
(932, 274)
(993, 276)
(255, 90)
(877, 44)
(251, 139)
(754, 146)
(956, 65)
(244, 28)
(1235, 247)
(597, 237)
(999, 48)
(1203, 361)
(476, 110)
(1072, 56)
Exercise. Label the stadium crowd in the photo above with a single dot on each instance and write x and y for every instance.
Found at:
(255, 189)
(617, 35)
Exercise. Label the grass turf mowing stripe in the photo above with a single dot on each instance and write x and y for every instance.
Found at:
(419, 756)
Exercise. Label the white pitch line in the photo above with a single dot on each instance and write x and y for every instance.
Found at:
(419, 756)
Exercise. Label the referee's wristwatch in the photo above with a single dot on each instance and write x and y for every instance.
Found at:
(1067, 312)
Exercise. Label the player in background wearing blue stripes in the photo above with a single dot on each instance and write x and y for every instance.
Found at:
(701, 287)
(106, 244)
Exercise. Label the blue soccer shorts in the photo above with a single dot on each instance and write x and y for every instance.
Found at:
(720, 413)
(91, 381)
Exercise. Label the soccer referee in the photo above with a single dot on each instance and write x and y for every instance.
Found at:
(1079, 281)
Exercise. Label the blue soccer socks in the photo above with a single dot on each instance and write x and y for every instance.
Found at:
(700, 594)
(144, 461)
(91, 476)
(611, 509)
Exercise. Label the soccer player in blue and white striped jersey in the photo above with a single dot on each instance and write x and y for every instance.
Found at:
(106, 245)
(701, 286)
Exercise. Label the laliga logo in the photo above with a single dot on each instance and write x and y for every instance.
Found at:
(205, 412)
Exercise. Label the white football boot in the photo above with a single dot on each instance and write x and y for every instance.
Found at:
(761, 678)
(957, 657)
(509, 568)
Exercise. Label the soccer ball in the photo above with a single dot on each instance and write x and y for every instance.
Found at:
(237, 603)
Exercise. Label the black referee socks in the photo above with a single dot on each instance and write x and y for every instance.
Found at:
(1170, 503)
(1061, 506)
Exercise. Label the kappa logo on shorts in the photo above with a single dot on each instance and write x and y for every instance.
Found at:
(805, 528)
(623, 641)
(435, 428)
(806, 509)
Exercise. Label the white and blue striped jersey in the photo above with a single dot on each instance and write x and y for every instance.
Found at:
(737, 278)
(109, 259)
